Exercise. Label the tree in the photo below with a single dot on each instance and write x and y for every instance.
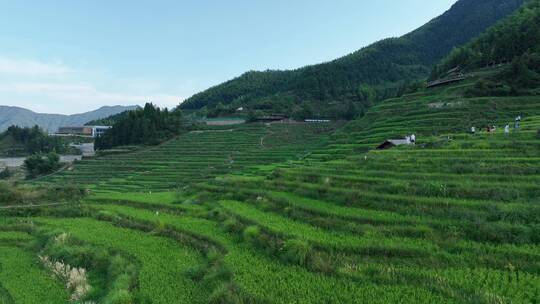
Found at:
(351, 111)
(302, 112)
(147, 126)
(34, 140)
(39, 164)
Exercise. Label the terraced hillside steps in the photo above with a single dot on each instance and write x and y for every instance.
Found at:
(454, 219)
(195, 157)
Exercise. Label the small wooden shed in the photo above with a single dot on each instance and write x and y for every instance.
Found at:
(390, 143)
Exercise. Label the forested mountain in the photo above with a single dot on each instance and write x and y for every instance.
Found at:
(515, 43)
(15, 116)
(374, 72)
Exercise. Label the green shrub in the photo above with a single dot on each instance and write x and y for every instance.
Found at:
(196, 272)
(252, 234)
(232, 225)
(38, 164)
(120, 297)
(321, 262)
(5, 174)
(296, 251)
(225, 294)
(219, 273)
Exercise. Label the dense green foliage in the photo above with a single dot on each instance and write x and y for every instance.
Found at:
(12, 194)
(24, 141)
(335, 88)
(516, 41)
(148, 126)
(5, 173)
(39, 164)
(509, 39)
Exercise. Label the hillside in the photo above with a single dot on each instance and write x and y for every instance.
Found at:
(10, 116)
(509, 39)
(453, 219)
(379, 69)
(301, 213)
(513, 43)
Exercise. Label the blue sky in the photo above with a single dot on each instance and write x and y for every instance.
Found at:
(65, 56)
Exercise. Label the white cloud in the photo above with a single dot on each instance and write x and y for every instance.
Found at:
(56, 88)
(21, 67)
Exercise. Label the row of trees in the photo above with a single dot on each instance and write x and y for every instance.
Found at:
(34, 140)
(148, 126)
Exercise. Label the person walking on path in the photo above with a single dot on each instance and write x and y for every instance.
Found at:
(413, 139)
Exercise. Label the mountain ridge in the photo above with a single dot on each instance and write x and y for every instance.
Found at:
(383, 66)
(13, 115)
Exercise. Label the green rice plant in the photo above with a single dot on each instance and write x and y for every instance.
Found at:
(157, 266)
(23, 281)
(296, 251)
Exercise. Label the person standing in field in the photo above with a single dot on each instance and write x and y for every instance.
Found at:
(517, 123)
(473, 130)
(507, 129)
(413, 139)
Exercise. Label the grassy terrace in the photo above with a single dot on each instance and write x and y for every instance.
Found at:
(287, 214)
(195, 157)
(459, 211)
(22, 280)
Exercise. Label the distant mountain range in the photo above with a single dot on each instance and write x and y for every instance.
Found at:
(51, 122)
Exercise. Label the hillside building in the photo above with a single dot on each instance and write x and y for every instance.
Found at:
(97, 131)
(83, 131)
(93, 131)
(272, 118)
(317, 121)
(224, 121)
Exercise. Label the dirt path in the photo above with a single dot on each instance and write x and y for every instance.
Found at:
(211, 131)
(264, 137)
(33, 206)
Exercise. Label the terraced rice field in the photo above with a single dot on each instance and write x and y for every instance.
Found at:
(22, 280)
(196, 156)
(256, 216)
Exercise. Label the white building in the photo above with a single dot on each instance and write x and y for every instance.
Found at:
(97, 131)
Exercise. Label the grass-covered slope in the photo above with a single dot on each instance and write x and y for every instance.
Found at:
(196, 156)
(383, 65)
(289, 214)
(454, 219)
(456, 215)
